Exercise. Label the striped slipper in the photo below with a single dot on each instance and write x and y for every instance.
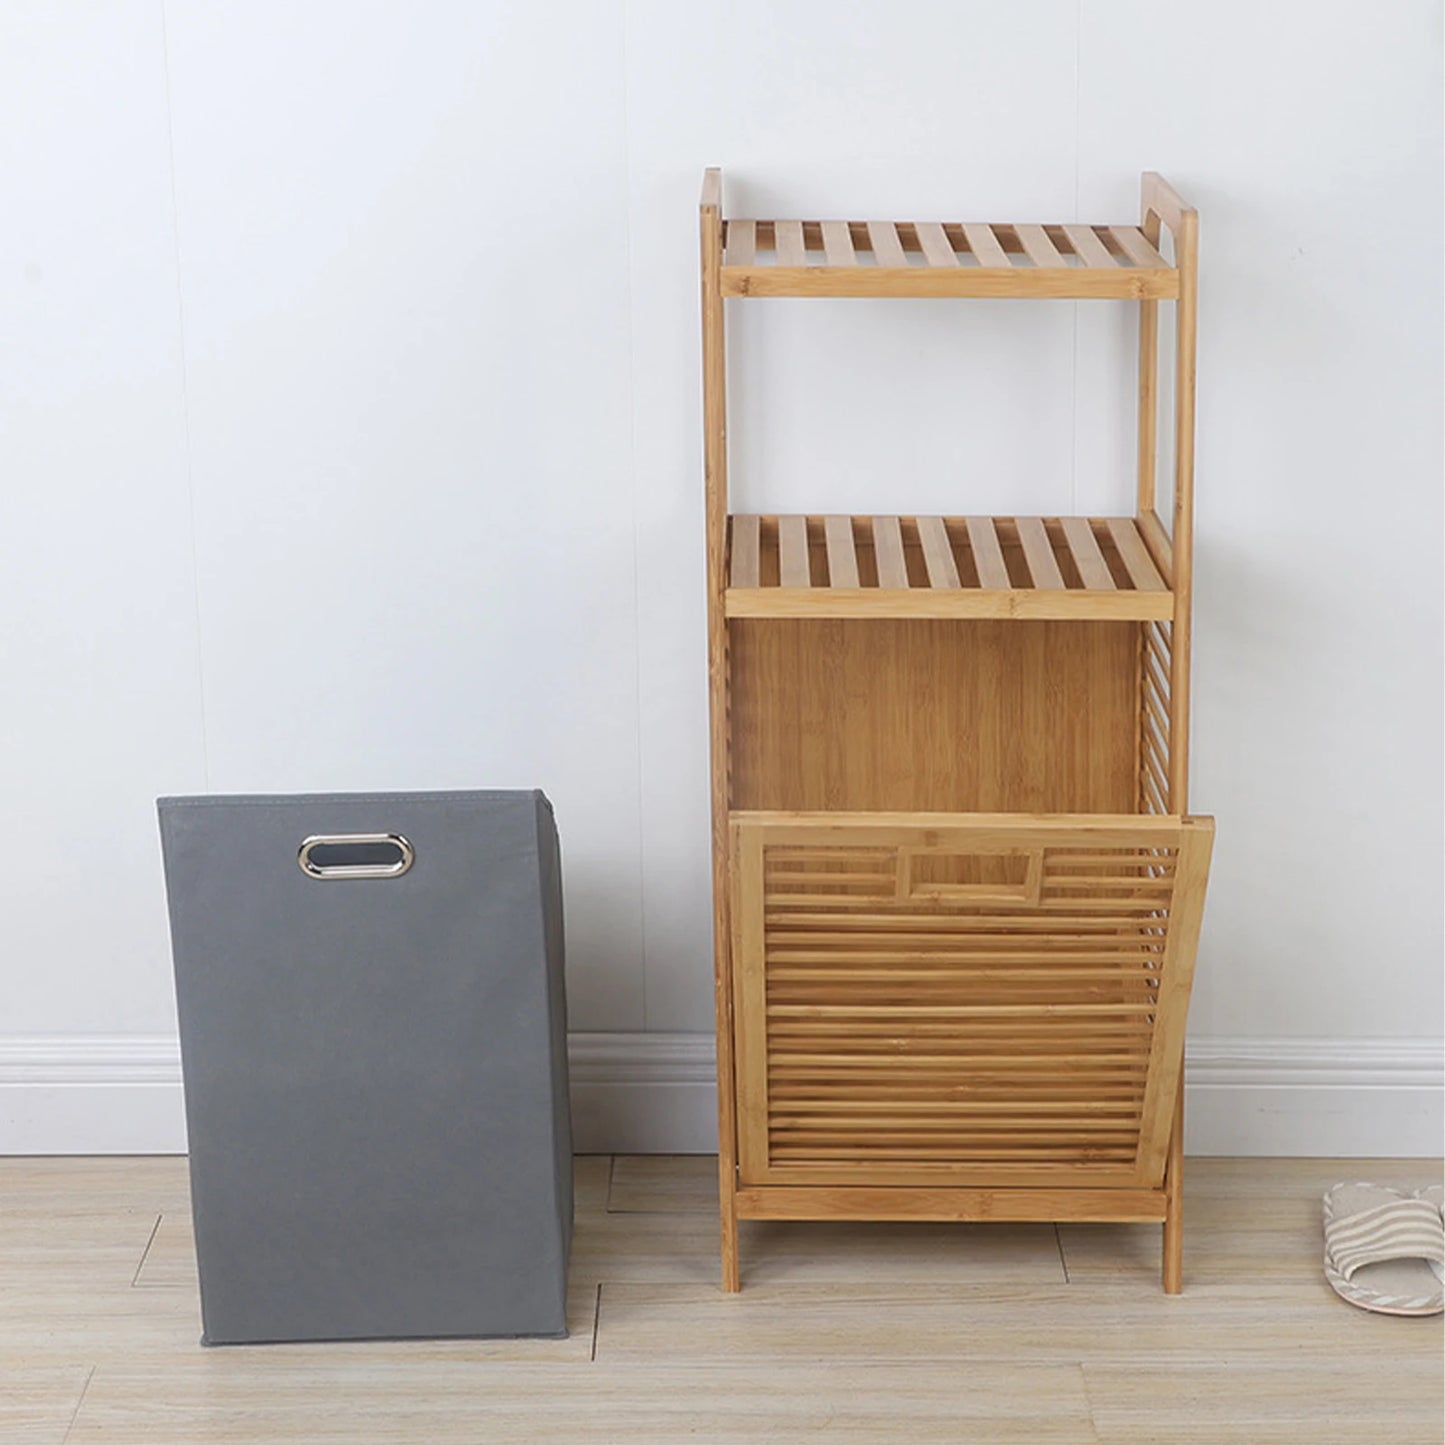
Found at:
(1435, 1195)
(1382, 1249)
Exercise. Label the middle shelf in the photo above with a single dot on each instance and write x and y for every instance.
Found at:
(1114, 568)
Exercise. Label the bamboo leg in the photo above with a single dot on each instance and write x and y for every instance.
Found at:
(728, 1196)
(1174, 1200)
(716, 493)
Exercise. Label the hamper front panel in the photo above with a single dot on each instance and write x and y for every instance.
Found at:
(974, 997)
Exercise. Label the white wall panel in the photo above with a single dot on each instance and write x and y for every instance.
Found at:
(1313, 154)
(359, 448)
(403, 253)
(99, 684)
(823, 111)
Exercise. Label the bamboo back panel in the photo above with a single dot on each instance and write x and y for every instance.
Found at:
(962, 716)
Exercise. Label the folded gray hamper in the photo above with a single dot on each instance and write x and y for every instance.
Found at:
(374, 1044)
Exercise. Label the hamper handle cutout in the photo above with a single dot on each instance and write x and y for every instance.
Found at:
(977, 875)
(355, 855)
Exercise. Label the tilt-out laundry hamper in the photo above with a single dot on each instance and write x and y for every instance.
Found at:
(957, 891)
(373, 1041)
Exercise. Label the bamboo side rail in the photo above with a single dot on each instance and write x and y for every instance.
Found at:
(1162, 206)
(714, 385)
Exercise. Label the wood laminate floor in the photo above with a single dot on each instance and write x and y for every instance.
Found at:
(878, 1333)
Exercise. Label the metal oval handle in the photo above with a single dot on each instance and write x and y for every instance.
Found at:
(313, 869)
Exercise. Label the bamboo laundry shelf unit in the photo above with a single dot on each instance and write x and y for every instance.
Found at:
(957, 889)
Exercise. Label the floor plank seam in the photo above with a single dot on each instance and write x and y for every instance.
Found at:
(75, 1413)
(145, 1253)
(659, 1213)
(1091, 1418)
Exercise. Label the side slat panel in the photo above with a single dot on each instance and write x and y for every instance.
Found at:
(1154, 712)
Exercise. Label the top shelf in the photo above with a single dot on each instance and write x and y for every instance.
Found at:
(942, 258)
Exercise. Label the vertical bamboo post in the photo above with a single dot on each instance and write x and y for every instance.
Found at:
(1186, 256)
(1186, 248)
(1148, 382)
(1148, 424)
(715, 474)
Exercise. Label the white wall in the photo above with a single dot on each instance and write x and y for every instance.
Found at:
(349, 438)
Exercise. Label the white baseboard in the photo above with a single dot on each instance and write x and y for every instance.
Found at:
(121, 1094)
(91, 1094)
(654, 1094)
(1315, 1098)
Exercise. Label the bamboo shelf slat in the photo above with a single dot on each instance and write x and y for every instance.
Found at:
(933, 258)
(995, 567)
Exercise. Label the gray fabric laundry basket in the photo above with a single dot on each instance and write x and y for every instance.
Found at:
(374, 1044)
